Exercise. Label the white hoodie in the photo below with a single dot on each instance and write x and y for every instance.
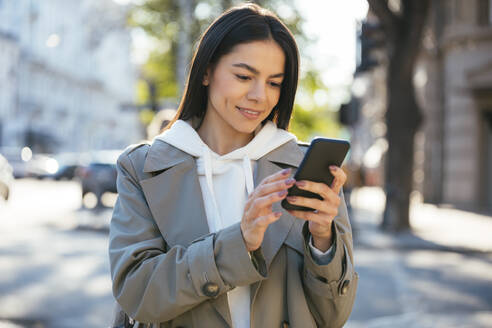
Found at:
(226, 181)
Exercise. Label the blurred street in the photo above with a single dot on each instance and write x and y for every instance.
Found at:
(54, 268)
(436, 277)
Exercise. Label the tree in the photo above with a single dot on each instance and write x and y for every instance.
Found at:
(403, 23)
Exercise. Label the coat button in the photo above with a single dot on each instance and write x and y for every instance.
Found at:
(210, 289)
(344, 287)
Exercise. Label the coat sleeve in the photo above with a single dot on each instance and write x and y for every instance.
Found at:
(154, 283)
(331, 288)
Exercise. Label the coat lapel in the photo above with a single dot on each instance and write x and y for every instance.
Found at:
(174, 192)
(288, 155)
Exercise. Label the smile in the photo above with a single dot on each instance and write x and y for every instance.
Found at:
(251, 114)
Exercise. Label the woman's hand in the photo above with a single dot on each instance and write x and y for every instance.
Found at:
(258, 214)
(320, 221)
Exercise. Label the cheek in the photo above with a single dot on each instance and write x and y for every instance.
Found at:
(222, 90)
(273, 98)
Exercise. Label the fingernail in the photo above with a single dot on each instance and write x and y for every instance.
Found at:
(290, 181)
(282, 193)
(278, 214)
(285, 171)
(333, 168)
(301, 183)
(292, 198)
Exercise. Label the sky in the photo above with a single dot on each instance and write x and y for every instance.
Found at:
(333, 22)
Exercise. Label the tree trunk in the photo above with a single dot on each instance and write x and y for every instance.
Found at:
(184, 42)
(402, 120)
(403, 117)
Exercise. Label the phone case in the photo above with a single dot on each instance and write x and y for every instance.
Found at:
(315, 166)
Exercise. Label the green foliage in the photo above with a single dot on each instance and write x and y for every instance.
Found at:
(159, 68)
(307, 124)
(158, 18)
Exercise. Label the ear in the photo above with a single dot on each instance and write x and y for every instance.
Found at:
(206, 76)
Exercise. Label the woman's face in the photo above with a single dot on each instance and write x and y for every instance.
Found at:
(244, 86)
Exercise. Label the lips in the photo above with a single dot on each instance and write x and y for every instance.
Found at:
(249, 113)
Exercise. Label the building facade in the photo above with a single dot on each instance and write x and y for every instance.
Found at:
(66, 76)
(456, 95)
(453, 80)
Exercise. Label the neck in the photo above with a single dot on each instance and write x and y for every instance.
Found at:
(222, 139)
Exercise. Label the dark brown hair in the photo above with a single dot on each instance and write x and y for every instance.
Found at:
(242, 24)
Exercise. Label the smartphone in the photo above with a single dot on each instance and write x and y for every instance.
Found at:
(315, 166)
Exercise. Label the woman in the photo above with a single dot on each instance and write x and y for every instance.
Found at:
(198, 237)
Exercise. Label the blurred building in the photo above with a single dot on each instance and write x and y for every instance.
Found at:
(65, 75)
(453, 78)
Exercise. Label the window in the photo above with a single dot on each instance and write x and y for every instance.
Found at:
(490, 12)
(484, 12)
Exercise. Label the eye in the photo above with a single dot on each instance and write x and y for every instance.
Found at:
(275, 84)
(243, 77)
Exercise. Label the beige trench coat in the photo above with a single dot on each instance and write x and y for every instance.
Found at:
(168, 270)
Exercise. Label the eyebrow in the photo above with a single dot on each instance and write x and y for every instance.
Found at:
(254, 70)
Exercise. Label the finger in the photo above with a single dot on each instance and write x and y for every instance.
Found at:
(276, 186)
(267, 201)
(264, 221)
(319, 188)
(339, 180)
(283, 174)
(321, 219)
(324, 206)
(247, 206)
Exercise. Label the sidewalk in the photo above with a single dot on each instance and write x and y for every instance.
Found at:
(433, 228)
(436, 276)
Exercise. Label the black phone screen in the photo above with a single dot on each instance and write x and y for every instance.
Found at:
(315, 166)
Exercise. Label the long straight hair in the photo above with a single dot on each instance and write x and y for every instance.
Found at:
(242, 24)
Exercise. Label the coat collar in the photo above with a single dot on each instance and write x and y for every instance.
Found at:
(162, 156)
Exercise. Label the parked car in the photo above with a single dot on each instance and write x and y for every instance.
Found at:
(26, 164)
(68, 163)
(99, 176)
(17, 161)
(41, 166)
(6, 177)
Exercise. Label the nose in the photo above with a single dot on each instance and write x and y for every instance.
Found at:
(257, 92)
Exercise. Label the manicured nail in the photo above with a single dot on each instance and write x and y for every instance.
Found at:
(282, 193)
(292, 199)
(333, 168)
(301, 183)
(290, 181)
(285, 171)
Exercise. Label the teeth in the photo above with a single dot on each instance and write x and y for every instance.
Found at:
(248, 111)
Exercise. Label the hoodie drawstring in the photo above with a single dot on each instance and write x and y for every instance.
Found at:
(248, 178)
(207, 159)
(248, 174)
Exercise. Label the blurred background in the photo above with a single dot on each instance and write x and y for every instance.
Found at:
(408, 82)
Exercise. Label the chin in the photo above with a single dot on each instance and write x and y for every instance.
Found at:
(247, 127)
